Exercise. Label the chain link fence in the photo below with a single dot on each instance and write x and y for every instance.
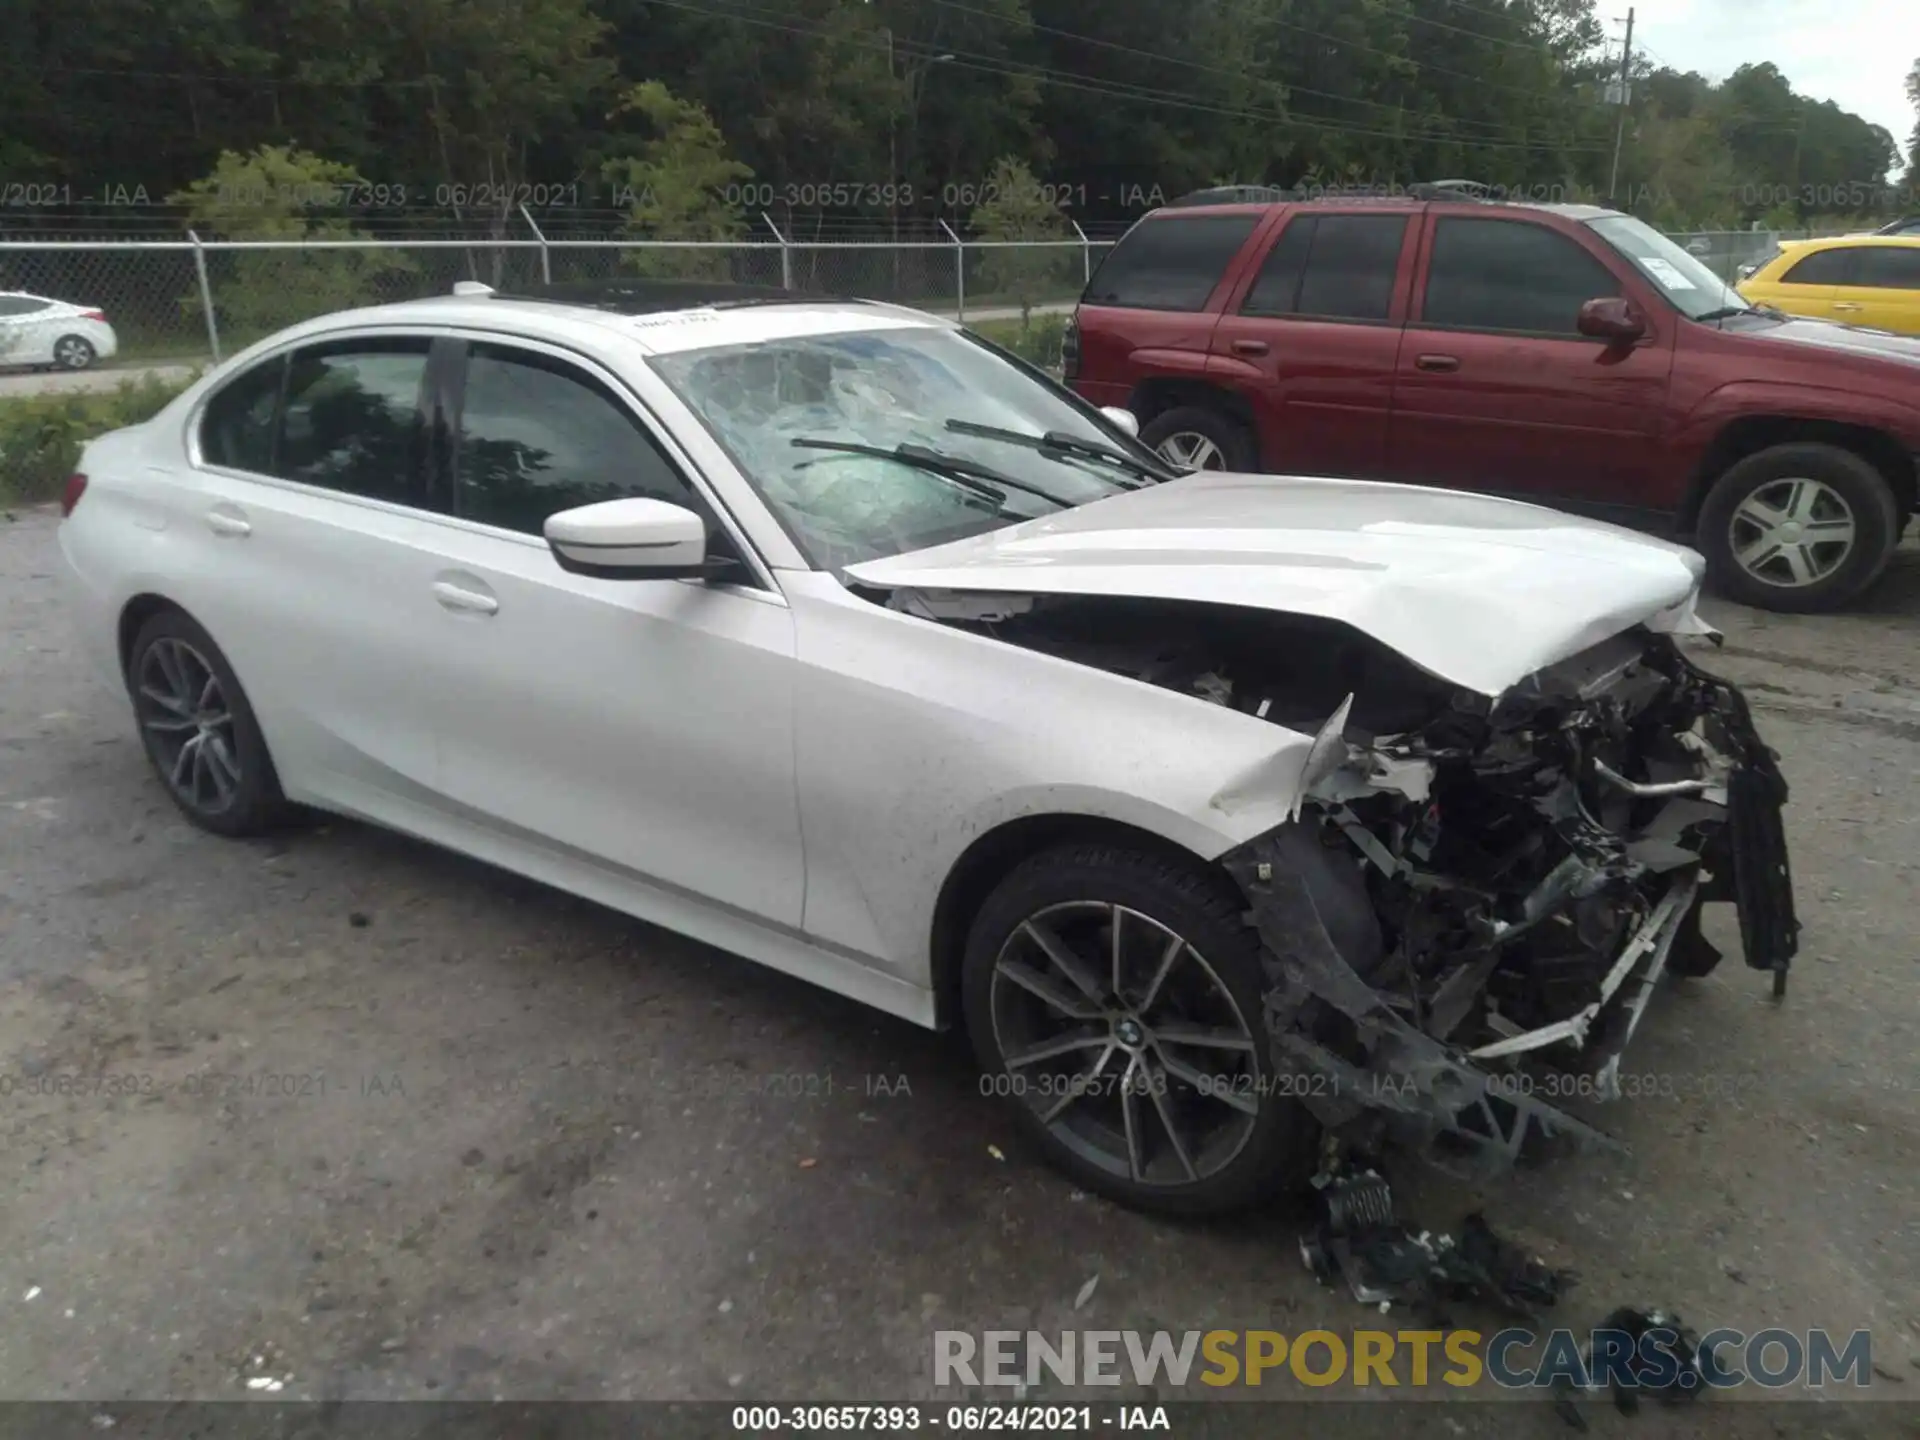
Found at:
(189, 300)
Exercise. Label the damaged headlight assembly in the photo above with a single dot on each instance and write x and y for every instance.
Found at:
(1454, 912)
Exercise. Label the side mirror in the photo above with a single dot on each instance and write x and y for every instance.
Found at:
(1612, 318)
(632, 539)
(1124, 421)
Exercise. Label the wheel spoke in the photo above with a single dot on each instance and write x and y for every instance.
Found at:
(174, 674)
(209, 693)
(1113, 945)
(221, 767)
(1065, 961)
(184, 761)
(1063, 1045)
(1176, 947)
(1050, 994)
(1165, 1111)
(1208, 1086)
(1205, 452)
(163, 699)
(1799, 563)
(170, 724)
(1078, 1086)
(1758, 553)
(1129, 1117)
(1204, 1037)
(1803, 497)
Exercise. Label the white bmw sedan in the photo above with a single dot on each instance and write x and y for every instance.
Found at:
(1219, 809)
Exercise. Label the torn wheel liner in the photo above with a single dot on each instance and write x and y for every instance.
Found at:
(1465, 924)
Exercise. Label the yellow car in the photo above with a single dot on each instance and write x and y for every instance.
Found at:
(1869, 280)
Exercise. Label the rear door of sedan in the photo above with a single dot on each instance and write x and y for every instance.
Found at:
(643, 724)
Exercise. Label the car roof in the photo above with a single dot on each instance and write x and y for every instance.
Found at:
(652, 331)
(1465, 204)
(1852, 242)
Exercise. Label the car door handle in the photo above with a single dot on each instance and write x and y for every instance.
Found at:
(1847, 305)
(1250, 347)
(1437, 362)
(229, 522)
(461, 598)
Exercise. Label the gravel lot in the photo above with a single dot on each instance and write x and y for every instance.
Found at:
(514, 1149)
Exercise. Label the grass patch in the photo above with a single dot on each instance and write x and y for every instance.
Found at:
(1037, 341)
(41, 436)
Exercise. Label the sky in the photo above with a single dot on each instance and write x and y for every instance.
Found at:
(1855, 53)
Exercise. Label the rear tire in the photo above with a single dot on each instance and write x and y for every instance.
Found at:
(199, 730)
(1802, 527)
(1211, 1129)
(73, 352)
(1199, 437)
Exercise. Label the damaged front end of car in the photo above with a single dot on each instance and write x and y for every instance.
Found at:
(1463, 922)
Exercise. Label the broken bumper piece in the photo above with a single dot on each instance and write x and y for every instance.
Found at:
(1465, 924)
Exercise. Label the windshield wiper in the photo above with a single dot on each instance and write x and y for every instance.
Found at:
(1727, 312)
(967, 474)
(1059, 442)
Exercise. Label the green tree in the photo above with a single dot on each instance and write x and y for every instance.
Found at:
(1019, 209)
(676, 186)
(1913, 141)
(277, 192)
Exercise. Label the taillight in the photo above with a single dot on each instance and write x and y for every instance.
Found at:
(70, 497)
(1070, 349)
(99, 315)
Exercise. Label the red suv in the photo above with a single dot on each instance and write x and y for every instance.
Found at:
(1557, 353)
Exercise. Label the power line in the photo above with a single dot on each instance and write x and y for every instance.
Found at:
(1164, 59)
(1124, 91)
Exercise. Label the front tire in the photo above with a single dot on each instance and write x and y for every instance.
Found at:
(1803, 527)
(199, 730)
(1198, 437)
(1139, 1065)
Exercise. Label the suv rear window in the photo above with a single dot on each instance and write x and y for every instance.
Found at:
(1334, 267)
(1171, 263)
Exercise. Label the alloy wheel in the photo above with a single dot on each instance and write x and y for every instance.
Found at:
(1191, 450)
(188, 724)
(1792, 533)
(1125, 1043)
(73, 353)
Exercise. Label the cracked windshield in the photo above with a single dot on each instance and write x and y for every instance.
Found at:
(883, 390)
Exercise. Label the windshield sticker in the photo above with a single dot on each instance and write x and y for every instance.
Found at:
(1666, 274)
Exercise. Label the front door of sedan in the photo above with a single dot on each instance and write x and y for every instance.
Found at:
(643, 724)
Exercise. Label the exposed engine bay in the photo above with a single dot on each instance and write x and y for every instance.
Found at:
(1478, 895)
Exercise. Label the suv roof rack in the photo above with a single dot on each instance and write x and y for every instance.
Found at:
(650, 297)
(1307, 194)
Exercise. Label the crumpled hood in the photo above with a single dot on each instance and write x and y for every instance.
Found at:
(1479, 591)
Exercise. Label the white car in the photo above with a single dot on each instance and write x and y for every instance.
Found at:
(37, 331)
(1219, 808)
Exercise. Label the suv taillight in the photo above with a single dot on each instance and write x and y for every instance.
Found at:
(1070, 349)
(70, 497)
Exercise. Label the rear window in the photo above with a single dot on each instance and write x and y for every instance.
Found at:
(1171, 263)
(1889, 267)
(1827, 267)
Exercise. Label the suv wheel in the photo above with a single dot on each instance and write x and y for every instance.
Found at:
(1114, 999)
(1799, 527)
(1197, 437)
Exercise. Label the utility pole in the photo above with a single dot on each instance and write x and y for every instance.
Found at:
(1620, 129)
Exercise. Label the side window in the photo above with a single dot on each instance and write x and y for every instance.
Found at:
(1171, 263)
(1888, 267)
(1333, 267)
(1825, 267)
(352, 421)
(22, 305)
(1510, 275)
(538, 436)
(236, 428)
